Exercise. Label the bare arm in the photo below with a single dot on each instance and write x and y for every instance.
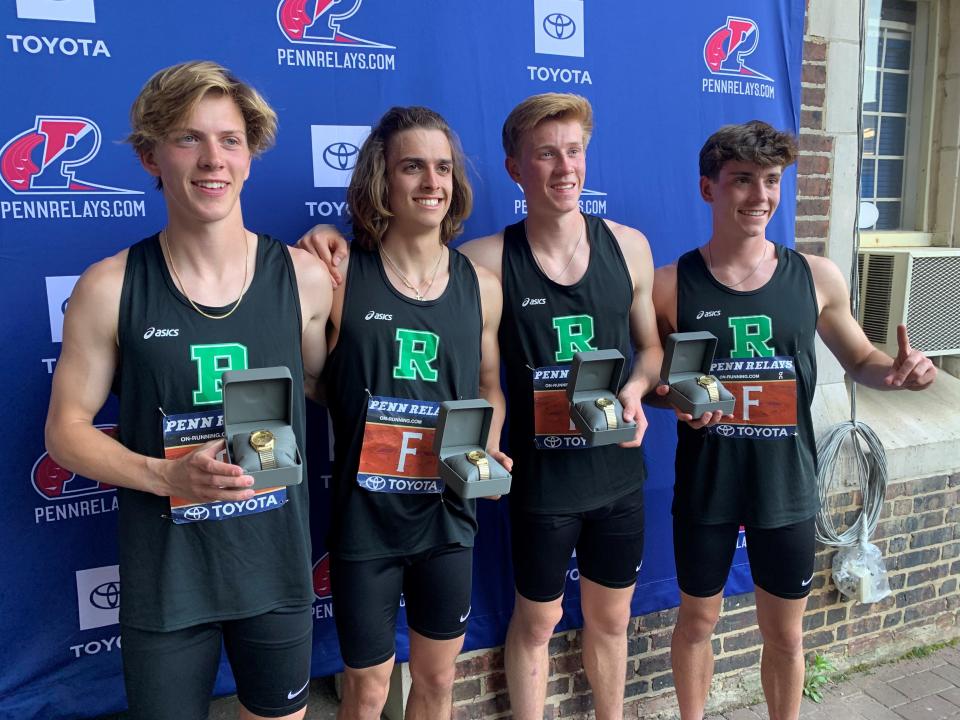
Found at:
(910, 370)
(648, 353)
(81, 384)
(487, 253)
(316, 296)
(491, 298)
(329, 245)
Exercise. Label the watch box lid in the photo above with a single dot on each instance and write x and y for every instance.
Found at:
(595, 370)
(462, 424)
(685, 353)
(258, 395)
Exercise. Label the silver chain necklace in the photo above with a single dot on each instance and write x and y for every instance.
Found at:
(749, 275)
(403, 278)
(536, 259)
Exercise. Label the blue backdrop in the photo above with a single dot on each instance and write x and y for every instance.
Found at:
(661, 77)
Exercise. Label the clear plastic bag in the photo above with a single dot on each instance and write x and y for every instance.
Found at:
(859, 573)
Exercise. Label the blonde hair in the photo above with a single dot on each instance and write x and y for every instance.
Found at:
(540, 108)
(369, 191)
(173, 93)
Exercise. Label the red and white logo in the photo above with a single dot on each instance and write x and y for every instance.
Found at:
(317, 22)
(54, 482)
(43, 160)
(321, 578)
(726, 49)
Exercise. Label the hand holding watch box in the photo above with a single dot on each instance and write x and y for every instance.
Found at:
(258, 416)
(592, 388)
(687, 358)
(463, 429)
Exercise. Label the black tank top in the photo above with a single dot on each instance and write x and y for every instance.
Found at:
(759, 469)
(256, 556)
(543, 325)
(395, 360)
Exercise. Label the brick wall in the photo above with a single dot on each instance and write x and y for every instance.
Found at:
(816, 152)
(919, 535)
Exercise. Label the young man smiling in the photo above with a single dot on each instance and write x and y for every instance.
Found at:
(758, 468)
(227, 298)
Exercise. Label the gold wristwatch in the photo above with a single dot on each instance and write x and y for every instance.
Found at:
(609, 412)
(479, 458)
(262, 442)
(709, 383)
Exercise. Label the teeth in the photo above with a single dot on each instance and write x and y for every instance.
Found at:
(429, 202)
(211, 185)
(754, 213)
(565, 186)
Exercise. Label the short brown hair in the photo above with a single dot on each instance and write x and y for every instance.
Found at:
(755, 142)
(540, 108)
(369, 192)
(174, 92)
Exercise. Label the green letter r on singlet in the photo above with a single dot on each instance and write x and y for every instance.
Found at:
(212, 362)
(751, 336)
(418, 350)
(574, 334)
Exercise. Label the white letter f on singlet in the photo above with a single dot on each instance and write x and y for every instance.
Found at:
(405, 448)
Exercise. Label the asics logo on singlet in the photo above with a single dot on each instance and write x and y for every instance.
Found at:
(533, 301)
(374, 315)
(708, 313)
(160, 332)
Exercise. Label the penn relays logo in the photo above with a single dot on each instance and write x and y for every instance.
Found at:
(728, 46)
(317, 22)
(44, 159)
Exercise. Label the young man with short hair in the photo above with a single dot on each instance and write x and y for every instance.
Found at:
(226, 299)
(413, 324)
(765, 304)
(571, 282)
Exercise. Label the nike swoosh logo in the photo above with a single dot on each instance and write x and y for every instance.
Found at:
(807, 581)
(464, 617)
(292, 695)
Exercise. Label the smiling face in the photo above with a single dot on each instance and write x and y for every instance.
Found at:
(420, 179)
(743, 198)
(203, 161)
(551, 166)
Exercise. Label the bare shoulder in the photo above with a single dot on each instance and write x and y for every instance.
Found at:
(826, 275)
(489, 283)
(93, 311)
(486, 252)
(102, 282)
(311, 272)
(665, 287)
(633, 243)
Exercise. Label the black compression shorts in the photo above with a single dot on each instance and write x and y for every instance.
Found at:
(608, 541)
(436, 587)
(170, 675)
(781, 559)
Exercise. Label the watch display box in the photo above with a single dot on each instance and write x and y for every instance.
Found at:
(687, 358)
(595, 376)
(262, 399)
(463, 427)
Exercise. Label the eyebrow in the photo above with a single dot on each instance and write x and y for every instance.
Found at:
(409, 158)
(195, 131)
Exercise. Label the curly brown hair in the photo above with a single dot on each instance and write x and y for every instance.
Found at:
(755, 142)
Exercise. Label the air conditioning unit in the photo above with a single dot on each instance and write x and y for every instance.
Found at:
(919, 287)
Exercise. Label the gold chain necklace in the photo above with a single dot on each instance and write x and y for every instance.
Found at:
(565, 267)
(749, 275)
(165, 246)
(403, 278)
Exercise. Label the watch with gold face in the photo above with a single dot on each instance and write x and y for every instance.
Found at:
(263, 442)
(479, 458)
(609, 412)
(710, 384)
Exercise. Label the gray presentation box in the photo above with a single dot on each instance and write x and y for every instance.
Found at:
(593, 375)
(261, 399)
(686, 357)
(463, 426)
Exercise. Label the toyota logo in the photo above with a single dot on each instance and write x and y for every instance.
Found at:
(341, 155)
(552, 442)
(726, 430)
(197, 512)
(106, 596)
(375, 483)
(559, 26)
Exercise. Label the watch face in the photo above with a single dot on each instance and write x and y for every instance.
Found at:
(706, 380)
(604, 403)
(261, 439)
(475, 455)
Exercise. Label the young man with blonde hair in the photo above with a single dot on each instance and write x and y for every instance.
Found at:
(766, 303)
(571, 282)
(414, 324)
(159, 323)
